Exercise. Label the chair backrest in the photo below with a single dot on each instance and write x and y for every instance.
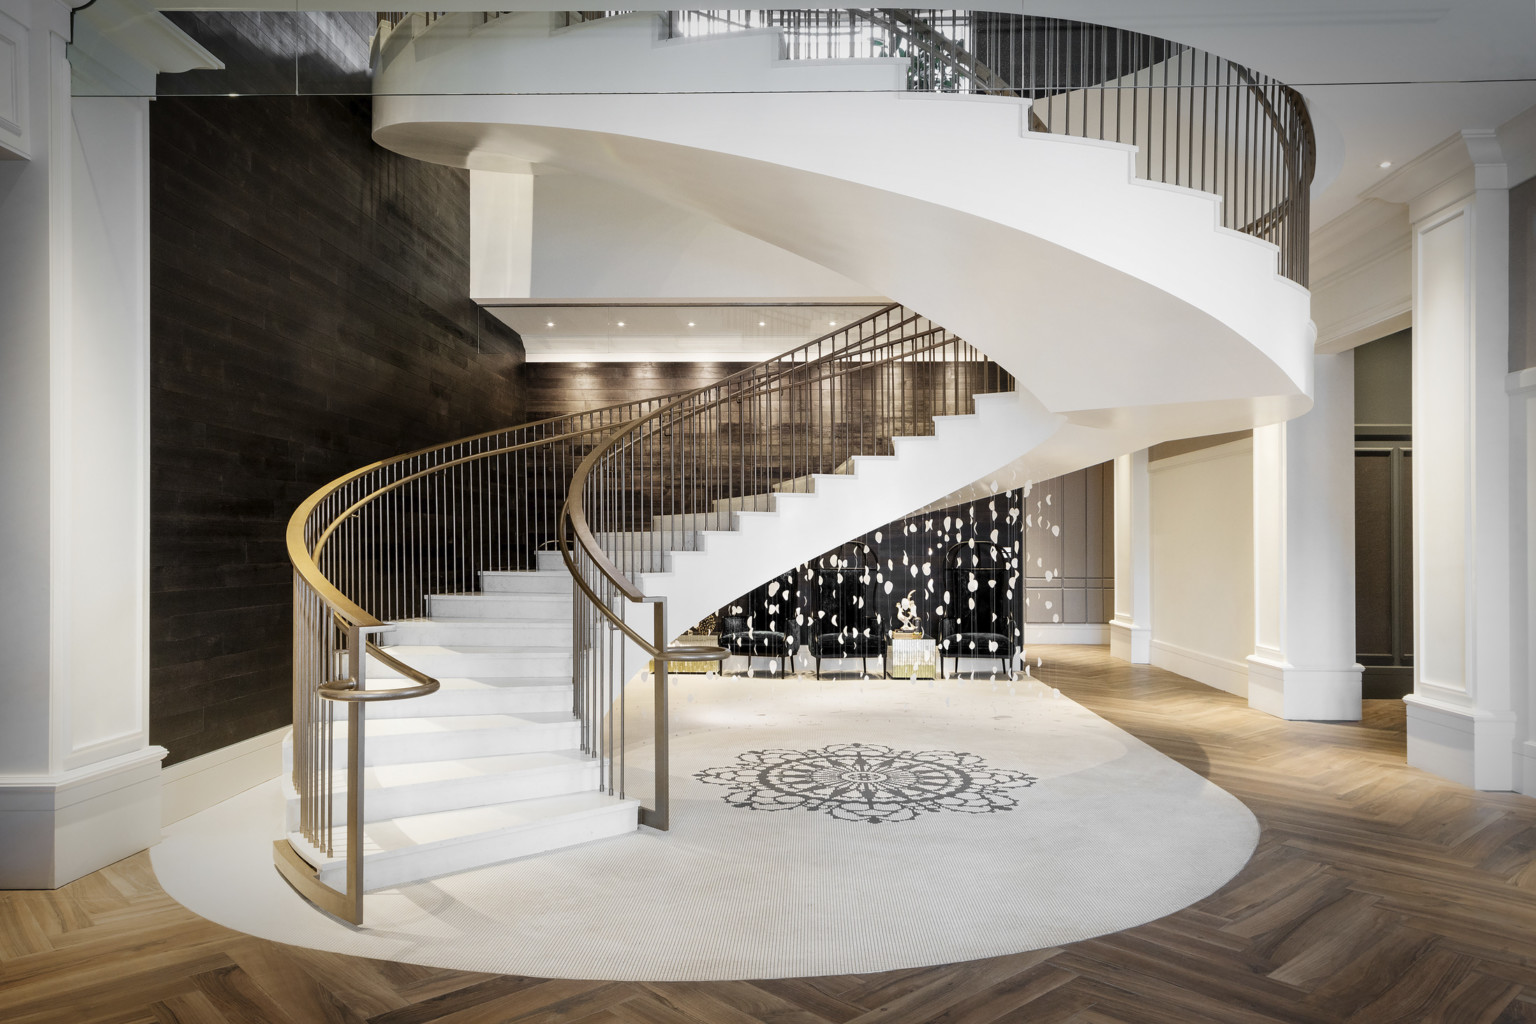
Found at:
(844, 589)
(769, 608)
(981, 584)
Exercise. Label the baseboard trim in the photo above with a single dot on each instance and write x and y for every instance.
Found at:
(1066, 633)
(56, 828)
(1213, 670)
(198, 783)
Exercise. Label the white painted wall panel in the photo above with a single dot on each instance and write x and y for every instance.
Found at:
(1202, 561)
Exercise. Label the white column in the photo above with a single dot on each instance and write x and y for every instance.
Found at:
(79, 780)
(1130, 631)
(1521, 386)
(1303, 665)
(1461, 718)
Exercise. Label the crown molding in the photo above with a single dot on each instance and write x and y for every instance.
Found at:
(120, 46)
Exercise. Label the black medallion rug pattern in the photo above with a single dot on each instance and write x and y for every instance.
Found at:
(867, 782)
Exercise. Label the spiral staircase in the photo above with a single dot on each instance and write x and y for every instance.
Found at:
(483, 629)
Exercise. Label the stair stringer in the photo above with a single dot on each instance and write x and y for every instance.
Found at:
(804, 525)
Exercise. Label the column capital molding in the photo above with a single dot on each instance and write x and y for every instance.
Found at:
(1489, 168)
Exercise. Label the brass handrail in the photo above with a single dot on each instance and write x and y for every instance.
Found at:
(603, 588)
(574, 509)
(332, 623)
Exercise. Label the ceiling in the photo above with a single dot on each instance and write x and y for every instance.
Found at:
(664, 333)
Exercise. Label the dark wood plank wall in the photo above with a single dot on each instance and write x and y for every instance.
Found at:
(555, 388)
(309, 315)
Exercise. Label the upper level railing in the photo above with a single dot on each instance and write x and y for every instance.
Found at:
(1197, 120)
(688, 465)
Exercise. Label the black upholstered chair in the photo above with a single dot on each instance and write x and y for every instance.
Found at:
(736, 638)
(862, 640)
(980, 623)
(844, 625)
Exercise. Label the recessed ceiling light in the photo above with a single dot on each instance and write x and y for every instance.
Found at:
(621, 323)
(550, 324)
(762, 323)
(831, 323)
(1385, 164)
(691, 323)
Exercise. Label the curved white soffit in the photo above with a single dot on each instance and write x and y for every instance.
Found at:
(1096, 289)
(1080, 332)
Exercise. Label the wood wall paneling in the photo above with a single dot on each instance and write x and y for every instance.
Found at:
(308, 316)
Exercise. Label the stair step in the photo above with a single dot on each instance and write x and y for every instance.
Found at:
(410, 740)
(422, 846)
(479, 662)
(675, 539)
(436, 632)
(393, 791)
(482, 696)
(554, 606)
(714, 520)
(526, 583)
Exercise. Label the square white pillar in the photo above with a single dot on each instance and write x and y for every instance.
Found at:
(1461, 717)
(1130, 631)
(79, 779)
(1303, 665)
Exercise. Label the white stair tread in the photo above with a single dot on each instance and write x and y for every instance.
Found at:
(414, 832)
(467, 622)
(378, 777)
(381, 727)
(405, 651)
(480, 683)
(445, 826)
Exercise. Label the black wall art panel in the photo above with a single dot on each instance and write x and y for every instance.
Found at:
(1036, 557)
(858, 585)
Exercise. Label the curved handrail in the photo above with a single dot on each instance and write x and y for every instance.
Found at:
(368, 546)
(703, 443)
(574, 510)
(303, 555)
(347, 690)
(1193, 115)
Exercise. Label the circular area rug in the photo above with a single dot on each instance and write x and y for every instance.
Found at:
(818, 827)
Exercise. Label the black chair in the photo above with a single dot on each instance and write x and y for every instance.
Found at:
(989, 629)
(736, 638)
(862, 641)
(844, 626)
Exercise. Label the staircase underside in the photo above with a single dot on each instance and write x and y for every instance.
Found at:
(1120, 304)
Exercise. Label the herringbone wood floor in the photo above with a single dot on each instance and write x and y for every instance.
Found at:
(1377, 893)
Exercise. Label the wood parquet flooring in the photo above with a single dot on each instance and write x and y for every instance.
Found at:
(1377, 894)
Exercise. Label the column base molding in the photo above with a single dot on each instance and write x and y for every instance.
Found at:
(56, 828)
(1304, 694)
(1468, 745)
(1130, 642)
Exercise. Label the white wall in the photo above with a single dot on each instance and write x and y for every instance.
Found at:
(1202, 564)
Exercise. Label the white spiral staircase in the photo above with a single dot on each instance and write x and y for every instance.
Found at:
(1124, 310)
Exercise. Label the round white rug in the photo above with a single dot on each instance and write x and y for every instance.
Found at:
(835, 827)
